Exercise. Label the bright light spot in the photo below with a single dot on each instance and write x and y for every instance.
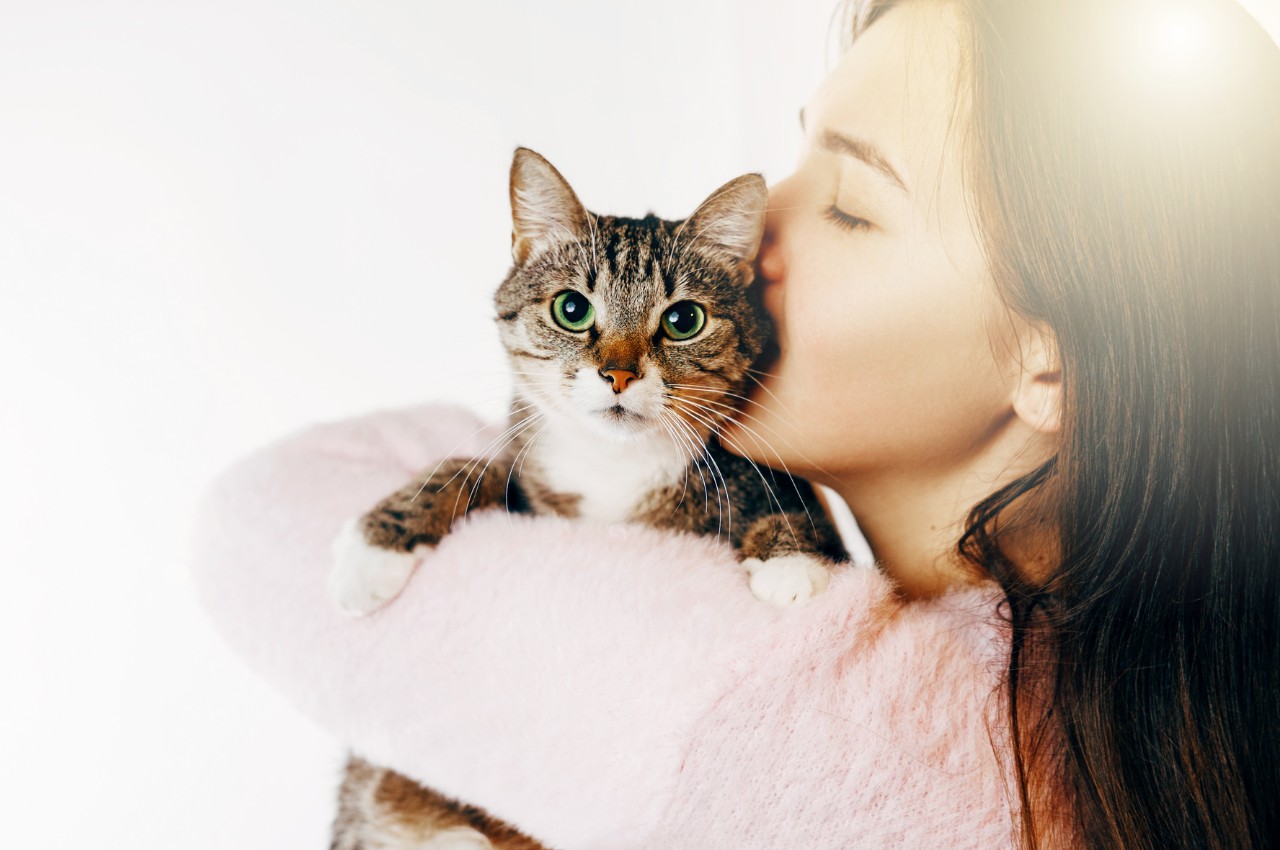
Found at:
(1178, 40)
(1171, 49)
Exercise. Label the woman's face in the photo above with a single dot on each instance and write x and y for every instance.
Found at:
(888, 322)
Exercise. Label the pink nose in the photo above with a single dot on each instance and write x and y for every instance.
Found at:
(619, 377)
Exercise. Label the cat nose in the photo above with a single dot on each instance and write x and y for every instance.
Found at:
(618, 377)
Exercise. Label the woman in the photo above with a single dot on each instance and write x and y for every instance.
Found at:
(1027, 284)
(1112, 458)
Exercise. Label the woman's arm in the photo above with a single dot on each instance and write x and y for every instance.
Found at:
(549, 670)
(605, 686)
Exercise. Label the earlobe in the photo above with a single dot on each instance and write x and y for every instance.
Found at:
(1037, 396)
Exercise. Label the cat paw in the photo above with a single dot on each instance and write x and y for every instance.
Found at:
(365, 577)
(787, 579)
(457, 838)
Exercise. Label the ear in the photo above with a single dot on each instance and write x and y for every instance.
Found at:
(544, 210)
(1037, 397)
(731, 220)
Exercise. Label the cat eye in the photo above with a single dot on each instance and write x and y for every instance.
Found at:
(572, 311)
(683, 320)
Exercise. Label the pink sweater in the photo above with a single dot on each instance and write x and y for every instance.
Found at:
(611, 687)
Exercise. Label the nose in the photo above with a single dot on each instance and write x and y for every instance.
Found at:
(618, 377)
(770, 262)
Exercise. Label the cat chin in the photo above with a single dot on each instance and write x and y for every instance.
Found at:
(620, 427)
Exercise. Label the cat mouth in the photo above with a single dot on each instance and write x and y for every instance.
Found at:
(618, 413)
(625, 421)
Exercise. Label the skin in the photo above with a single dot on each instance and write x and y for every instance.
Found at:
(902, 381)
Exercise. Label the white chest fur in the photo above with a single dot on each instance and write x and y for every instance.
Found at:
(613, 477)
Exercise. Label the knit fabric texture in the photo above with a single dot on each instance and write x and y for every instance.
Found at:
(611, 687)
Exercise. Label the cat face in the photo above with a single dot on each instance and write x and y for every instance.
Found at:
(631, 326)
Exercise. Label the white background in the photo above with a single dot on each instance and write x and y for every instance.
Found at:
(222, 221)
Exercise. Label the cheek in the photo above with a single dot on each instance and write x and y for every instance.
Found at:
(848, 366)
(892, 366)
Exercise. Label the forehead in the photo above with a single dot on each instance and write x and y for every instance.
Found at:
(898, 87)
(633, 249)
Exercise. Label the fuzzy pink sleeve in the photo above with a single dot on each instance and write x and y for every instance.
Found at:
(560, 674)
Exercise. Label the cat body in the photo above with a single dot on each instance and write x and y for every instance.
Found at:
(631, 342)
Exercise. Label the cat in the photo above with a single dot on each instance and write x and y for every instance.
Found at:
(631, 341)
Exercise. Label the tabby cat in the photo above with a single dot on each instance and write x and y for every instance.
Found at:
(630, 341)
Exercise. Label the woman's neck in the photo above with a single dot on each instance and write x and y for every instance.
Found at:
(913, 518)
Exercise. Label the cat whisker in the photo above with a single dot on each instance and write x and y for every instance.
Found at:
(722, 486)
(666, 426)
(739, 396)
(485, 451)
(523, 425)
(736, 413)
(697, 450)
(663, 415)
(759, 383)
(450, 454)
(518, 459)
(495, 447)
(758, 441)
(533, 439)
(754, 371)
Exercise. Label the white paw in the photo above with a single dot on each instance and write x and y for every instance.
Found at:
(456, 838)
(365, 577)
(787, 579)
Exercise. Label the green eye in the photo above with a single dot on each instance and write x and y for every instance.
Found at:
(684, 320)
(572, 311)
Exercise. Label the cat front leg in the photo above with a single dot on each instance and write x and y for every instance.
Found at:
(374, 555)
(789, 557)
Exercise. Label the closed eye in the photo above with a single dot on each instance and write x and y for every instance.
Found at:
(845, 221)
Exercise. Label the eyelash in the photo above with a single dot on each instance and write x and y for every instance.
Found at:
(845, 221)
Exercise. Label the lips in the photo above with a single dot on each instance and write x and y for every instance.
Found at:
(771, 298)
(768, 357)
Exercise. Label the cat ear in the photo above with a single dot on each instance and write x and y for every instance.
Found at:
(731, 220)
(544, 210)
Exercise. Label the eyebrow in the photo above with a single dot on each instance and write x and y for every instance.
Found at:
(859, 149)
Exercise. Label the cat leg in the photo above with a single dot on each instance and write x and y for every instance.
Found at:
(386, 810)
(364, 577)
(378, 809)
(789, 557)
(374, 555)
(351, 827)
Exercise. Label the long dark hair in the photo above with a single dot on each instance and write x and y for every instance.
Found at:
(1129, 200)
